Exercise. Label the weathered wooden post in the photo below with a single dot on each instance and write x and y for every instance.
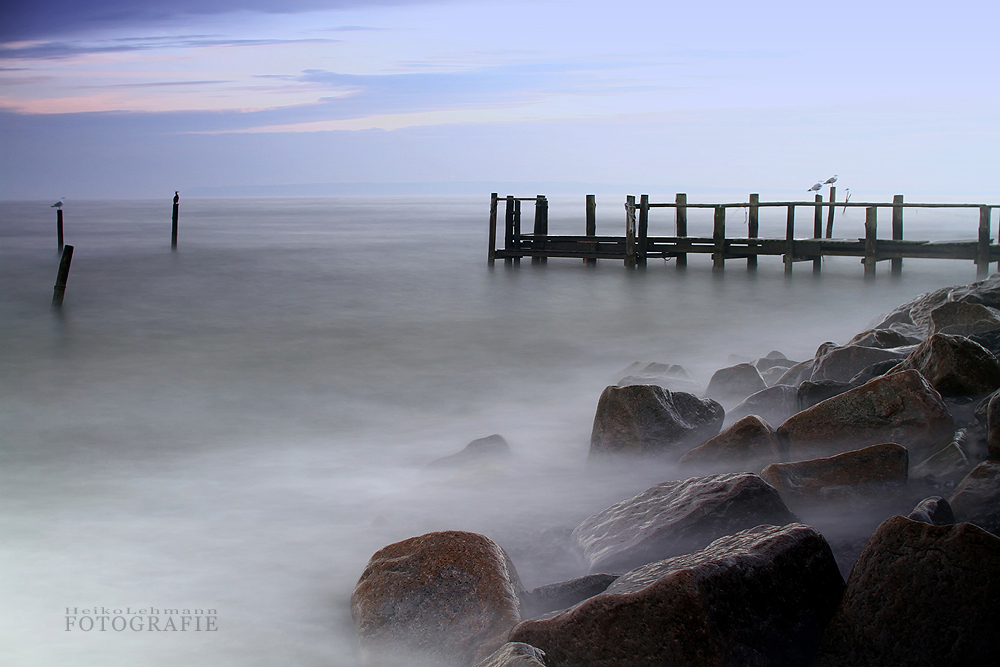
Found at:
(630, 232)
(59, 229)
(897, 232)
(541, 226)
(681, 225)
(983, 250)
(754, 229)
(871, 228)
(790, 239)
(491, 257)
(508, 232)
(818, 232)
(591, 224)
(719, 236)
(60, 289)
(173, 218)
(517, 231)
(643, 229)
(829, 215)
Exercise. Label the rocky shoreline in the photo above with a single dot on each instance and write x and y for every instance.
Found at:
(900, 426)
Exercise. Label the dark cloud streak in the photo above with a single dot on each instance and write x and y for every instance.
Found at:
(52, 50)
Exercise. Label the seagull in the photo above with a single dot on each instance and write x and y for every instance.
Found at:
(831, 180)
(815, 188)
(58, 204)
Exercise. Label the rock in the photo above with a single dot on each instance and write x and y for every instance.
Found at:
(843, 363)
(450, 596)
(957, 317)
(934, 510)
(949, 463)
(901, 407)
(977, 497)
(772, 375)
(553, 597)
(872, 467)
(876, 370)
(488, 449)
(677, 517)
(760, 597)
(918, 310)
(883, 338)
(919, 595)
(993, 426)
(989, 340)
(797, 374)
(767, 363)
(647, 419)
(774, 405)
(735, 383)
(750, 443)
(955, 366)
(669, 376)
(810, 393)
(515, 654)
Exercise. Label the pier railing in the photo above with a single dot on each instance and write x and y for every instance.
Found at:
(636, 245)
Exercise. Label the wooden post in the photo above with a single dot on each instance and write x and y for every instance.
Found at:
(508, 230)
(818, 232)
(829, 215)
(897, 232)
(754, 228)
(682, 225)
(491, 256)
(516, 234)
(59, 229)
(630, 232)
(983, 251)
(591, 224)
(60, 289)
(541, 226)
(643, 229)
(173, 218)
(719, 236)
(871, 228)
(790, 239)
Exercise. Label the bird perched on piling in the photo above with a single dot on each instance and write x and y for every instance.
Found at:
(815, 188)
(831, 180)
(58, 204)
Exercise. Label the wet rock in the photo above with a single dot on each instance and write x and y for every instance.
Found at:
(843, 363)
(774, 405)
(934, 510)
(451, 597)
(759, 597)
(919, 595)
(515, 654)
(901, 408)
(482, 450)
(989, 340)
(648, 419)
(677, 517)
(876, 370)
(883, 338)
(977, 497)
(955, 366)
(993, 426)
(563, 594)
(748, 444)
(669, 376)
(812, 392)
(772, 375)
(797, 374)
(963, 319)
(873, 467)
(918, 310)
(769, 362)
(735, 383)
(950, 463)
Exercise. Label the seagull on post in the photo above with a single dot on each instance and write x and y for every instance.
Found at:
(815, 188)
(831, 180)
(58, 204)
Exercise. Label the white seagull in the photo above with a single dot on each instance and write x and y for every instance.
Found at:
(815, 188)
(831, 180)
(58, 204)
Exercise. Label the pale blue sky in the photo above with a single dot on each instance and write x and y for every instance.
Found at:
(126, 99)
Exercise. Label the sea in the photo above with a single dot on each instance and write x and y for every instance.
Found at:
(234, 427)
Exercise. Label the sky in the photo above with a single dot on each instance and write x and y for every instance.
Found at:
(133, 99)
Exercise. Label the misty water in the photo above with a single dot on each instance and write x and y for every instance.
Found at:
(240, 424)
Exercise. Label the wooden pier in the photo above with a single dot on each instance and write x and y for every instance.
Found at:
(636, 246)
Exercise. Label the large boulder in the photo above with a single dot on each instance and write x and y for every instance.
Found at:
(672, 377)
(514, 654)
(918, 310)
(648, 419)
(919, 595)
(735, 383)
(490, 449)
(774, 359)
(934, 510)
(900, 407)
(747, 444)
(964, 319)
(810, 393)
(760, 597)
(677, 517)
(870, 468)
(876, 370)
(843, 363)
(955, 366)
(949, 463)
(797, 374)
(774, 405)
(563, 594)
(977, 497)
(450, 597)
(993, 426)
(989, 340)
(884, 338)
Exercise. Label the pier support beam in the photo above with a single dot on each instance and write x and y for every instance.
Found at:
(789, 239)
(829, 215)
(591, 224)
(491, 257)
(59, 229)
(897, 232)
(541, 227)
(508, 229)
(871, 229)
(753, 230)
(517, 230)
(643, 230)
(818, 232)
(630, 259)
(983, 249)
(719, 237)
(681, 230)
